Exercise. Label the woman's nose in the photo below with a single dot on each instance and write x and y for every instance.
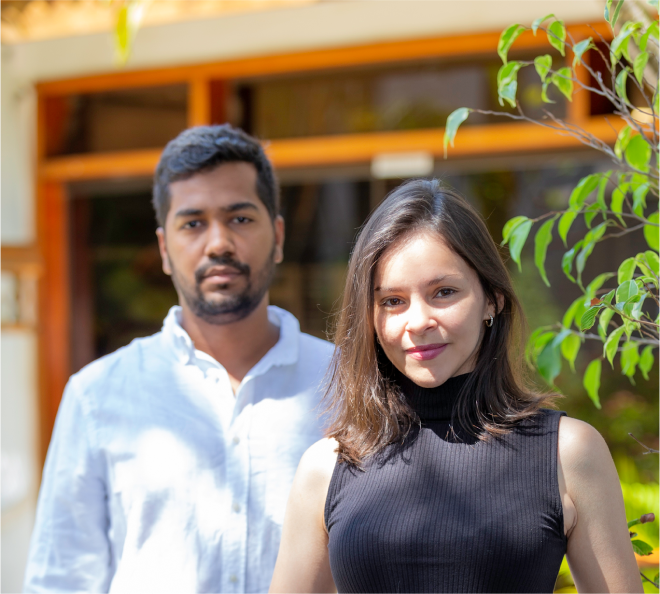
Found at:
(420, 318)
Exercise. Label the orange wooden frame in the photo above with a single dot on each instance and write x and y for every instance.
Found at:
(54, 173)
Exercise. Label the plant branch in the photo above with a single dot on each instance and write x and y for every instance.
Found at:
(647, 448)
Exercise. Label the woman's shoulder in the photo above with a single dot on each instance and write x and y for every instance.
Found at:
(318, 463)
(581, 447)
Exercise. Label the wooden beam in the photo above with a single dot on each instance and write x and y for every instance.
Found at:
(53, 318)
(199, 101)
(376, 53)
(507, 138)
(101, 165)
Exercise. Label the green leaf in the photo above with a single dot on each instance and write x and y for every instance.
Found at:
(639, 546)
(590, 240)
(617, 10)
(455, 119)
(626, 270)
(565, 223)
(602, 186)
(639, 199)
(541, 243)
(629, 358)
(616, 205)
(596, 284)
(619, 44)
(620, 85)
(604, 322)
(544, 92)
(543, 65)
(622, 141)
(569, 316)
(651, 232)
(567, 260)
(651, 31)
(652, 261)
(626, 290)
(508, 36)
(557, 35)
(590, 213)
(591, 381)
(585, 186)
(562, 79)
(570, 347)
(538, 22)
(612, 344)
(509, 226)
(549, 360)
(638, 153)
(639, 64)
(646, 361)
(579, 49)
(589, 317)
(517, 241)
(538, 339)
(608, 10)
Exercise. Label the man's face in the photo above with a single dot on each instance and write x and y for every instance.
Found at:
(219, 243)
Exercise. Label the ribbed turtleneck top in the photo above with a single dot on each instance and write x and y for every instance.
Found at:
(442, 513)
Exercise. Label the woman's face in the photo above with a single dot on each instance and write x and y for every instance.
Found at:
(429, 309)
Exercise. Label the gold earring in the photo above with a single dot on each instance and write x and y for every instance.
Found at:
(489, 323)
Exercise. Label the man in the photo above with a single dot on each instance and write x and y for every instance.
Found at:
(172, 458)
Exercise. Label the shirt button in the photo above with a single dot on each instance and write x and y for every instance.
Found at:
(233, 579)
(236, 507)
(236, 440)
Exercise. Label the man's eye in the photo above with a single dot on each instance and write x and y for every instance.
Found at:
(191, 224)
(242, 220)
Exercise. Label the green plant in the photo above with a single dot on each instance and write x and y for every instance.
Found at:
(618, 309)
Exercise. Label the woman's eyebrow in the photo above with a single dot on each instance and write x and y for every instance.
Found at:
(432, 282)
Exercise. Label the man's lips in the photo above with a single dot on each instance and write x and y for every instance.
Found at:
(221, 275)
(426, 352)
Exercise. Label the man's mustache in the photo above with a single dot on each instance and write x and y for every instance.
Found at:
(228, 261)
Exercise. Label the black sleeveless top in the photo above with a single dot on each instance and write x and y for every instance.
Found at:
(450, 514)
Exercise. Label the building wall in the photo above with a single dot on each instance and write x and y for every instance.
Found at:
(322, 25)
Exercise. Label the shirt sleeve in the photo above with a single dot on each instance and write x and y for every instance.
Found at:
(70, 548)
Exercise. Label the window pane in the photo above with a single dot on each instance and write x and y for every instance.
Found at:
(125, 119)
(403, 97)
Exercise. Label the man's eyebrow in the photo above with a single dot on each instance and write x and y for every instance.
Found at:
(196, 212)
(240, 206)
(189, 212)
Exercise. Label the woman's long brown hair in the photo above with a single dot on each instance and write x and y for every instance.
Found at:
(366, 407)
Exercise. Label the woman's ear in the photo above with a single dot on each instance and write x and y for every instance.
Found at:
(500, 302)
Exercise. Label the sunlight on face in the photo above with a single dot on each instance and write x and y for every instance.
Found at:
(429, 309)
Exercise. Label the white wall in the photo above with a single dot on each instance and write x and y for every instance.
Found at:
(19, 452)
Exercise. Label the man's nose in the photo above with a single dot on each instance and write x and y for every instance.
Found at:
(420, 318)
(219, 241)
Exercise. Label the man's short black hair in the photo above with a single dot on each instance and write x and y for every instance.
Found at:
(202, 149)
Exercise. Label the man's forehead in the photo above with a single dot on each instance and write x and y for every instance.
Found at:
(221, 187)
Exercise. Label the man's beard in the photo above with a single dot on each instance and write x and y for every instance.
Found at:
(231, 308)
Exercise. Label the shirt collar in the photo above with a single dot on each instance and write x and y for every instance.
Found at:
(285, 351)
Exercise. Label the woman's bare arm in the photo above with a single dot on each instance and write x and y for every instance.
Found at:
(599, 553)
(302, 563)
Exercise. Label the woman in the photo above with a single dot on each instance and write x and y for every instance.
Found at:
(440, 472)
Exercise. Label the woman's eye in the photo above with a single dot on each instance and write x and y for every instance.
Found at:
(446, 292)
(393, 301)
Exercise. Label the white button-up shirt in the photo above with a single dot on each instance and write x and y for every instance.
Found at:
(160, 479)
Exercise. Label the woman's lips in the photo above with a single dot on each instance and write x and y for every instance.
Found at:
(426, 352)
